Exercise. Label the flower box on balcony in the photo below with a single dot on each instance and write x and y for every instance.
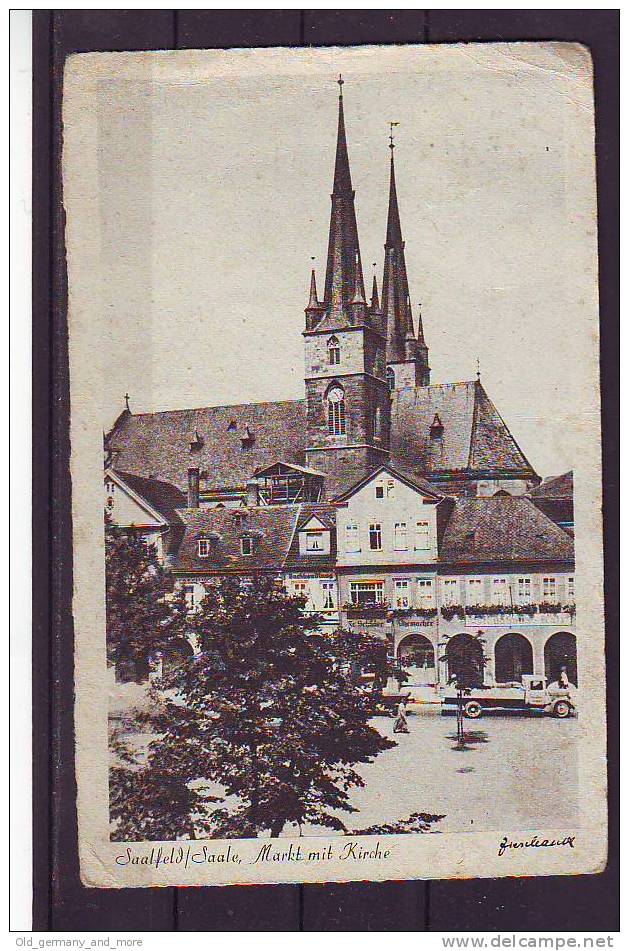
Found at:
(373, 609)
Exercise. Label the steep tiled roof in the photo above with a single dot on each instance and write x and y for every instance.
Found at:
(234, 441)
(555, 487)
(502, 528)
(474, 437)
(271, 527)
(163, 497)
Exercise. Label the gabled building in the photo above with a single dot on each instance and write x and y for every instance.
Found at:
(440, 576)
(148, 506)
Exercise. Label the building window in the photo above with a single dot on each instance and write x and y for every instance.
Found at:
(425, 597)
(334, 351)
(110, 488)
(247, 545)
(450, 591)
(352, 539)
(336, 411)
(422, 536)
(366, 592)
(400, 536)
(474, 591)
(570, 588)
(401, 594)
(375, 536)
(390, 375)
(524, 590)
(377, 422)
(314, 541)
(203, 548)
(500, 591)
(387, 490)
(328, 595)
(549, 589)
(188, 593)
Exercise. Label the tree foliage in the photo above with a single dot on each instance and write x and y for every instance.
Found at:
(144, 616)
(270, 715)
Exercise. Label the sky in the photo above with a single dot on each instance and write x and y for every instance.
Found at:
(214, 180)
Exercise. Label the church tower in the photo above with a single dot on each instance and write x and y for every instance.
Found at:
(348, 400)
(406, 354)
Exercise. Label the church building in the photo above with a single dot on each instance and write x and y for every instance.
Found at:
(391, 503)
(368, 398)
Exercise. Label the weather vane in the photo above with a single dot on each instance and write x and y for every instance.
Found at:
(341, 83)
(126, 402)
(392, 125)
(478, 369)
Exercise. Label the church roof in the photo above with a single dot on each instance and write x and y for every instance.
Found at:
(475, 438)
(234, 442)
(503, 528)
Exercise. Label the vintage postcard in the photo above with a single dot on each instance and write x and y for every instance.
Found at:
(335, 427)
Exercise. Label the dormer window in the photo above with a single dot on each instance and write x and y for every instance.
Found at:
(196, 441)
(203, 547)
(334, 351)
(232, 427)
(247, 545)
(247, 439)
(314, 538)
(436, 428)
(390, 377)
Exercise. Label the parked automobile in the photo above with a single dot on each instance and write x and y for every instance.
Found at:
(533, 695)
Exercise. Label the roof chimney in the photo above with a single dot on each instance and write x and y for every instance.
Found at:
(193, 488)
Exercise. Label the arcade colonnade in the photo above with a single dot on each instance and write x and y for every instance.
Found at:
(505, 654)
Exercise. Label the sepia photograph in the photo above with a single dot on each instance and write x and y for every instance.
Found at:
(335, 437)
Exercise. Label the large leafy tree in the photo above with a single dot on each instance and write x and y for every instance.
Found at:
(144, 614)
(270, 716)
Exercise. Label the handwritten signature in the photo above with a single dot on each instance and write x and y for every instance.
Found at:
(534, 843)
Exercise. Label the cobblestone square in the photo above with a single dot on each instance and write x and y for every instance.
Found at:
(518, 773)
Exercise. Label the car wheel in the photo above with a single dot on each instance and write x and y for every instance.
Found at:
(472, 710)
(561, 709)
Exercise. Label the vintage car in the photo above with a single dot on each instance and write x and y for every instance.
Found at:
(533, 695)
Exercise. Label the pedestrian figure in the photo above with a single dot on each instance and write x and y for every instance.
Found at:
(401, 723)
(564, 683)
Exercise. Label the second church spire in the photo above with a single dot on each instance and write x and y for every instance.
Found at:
(403, 348)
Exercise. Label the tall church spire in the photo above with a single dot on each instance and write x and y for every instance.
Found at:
(403, 347)
(343, 264)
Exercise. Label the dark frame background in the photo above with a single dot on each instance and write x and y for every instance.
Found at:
(61, 903)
